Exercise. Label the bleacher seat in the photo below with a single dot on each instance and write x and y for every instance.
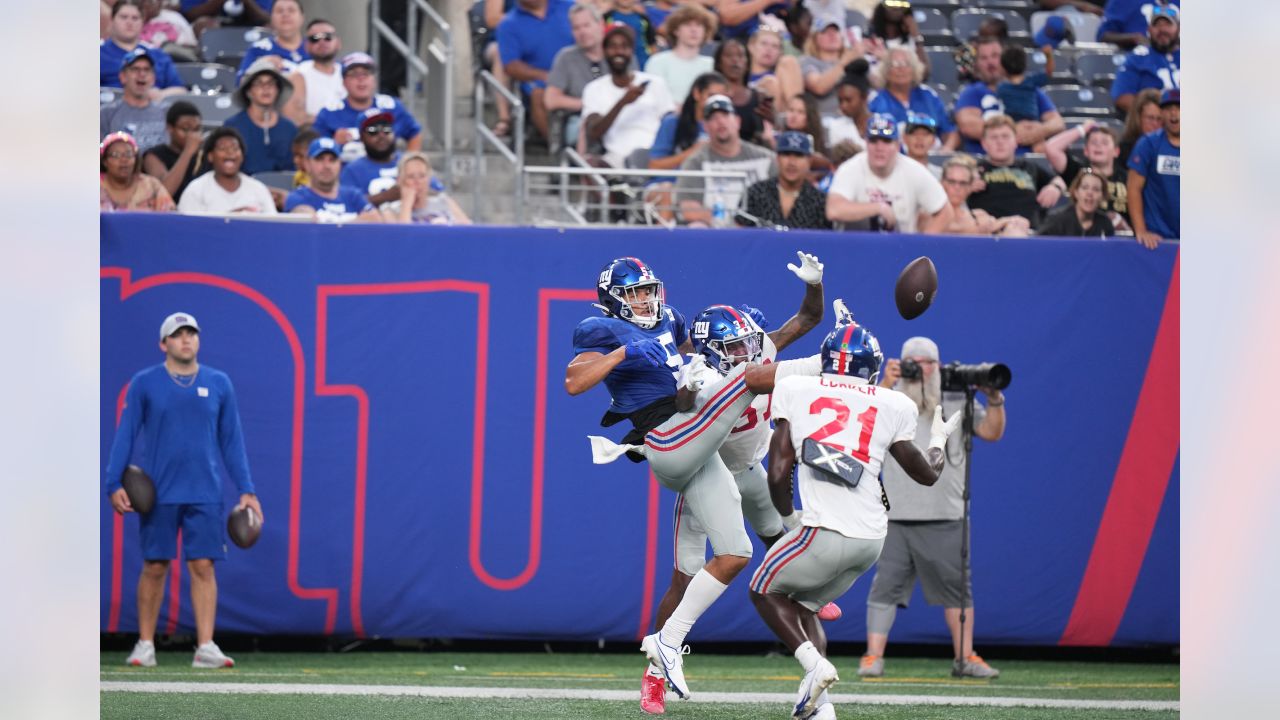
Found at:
(207, 78)
(964, 23)
(947, 96)
(278, 179)
(942, 67)
(1080, 100)
(214, 109)
(227, 45)
(946, 7)
(1062, 69)
(934, 26)
(853, 18)
(108, 95)
(1092, 65)
(1084, 25)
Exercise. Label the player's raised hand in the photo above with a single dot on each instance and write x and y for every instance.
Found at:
(647, 350)
(755, 314)
(843, 315)
(940, 430)
(810, 270)
(687, 379)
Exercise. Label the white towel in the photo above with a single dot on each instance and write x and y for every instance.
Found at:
(604, 450)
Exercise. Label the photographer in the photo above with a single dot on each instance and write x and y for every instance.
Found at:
(926, 525)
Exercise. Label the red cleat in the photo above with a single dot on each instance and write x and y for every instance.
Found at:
(653, 694)
(829, 612)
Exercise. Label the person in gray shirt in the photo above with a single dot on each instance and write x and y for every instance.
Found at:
(135, 112)
(713, 201)
(574, 67)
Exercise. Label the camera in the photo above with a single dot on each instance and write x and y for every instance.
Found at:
(958, 377)
(909, 369)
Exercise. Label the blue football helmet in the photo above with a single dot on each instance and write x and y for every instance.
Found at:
(852, 350)
(726, 337)
(621, 289)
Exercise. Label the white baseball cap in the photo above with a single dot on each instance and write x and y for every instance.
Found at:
(176, 322)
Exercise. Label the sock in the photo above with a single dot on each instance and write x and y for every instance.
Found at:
(808, 656)
(702, 591)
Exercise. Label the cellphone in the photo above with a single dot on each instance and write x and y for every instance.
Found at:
(852, 36)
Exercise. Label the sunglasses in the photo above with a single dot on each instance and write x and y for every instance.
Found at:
(375, 129)
(321, 37)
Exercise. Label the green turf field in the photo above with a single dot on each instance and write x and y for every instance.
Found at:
(317, 686)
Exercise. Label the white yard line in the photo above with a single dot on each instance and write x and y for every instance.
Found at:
(615, 695)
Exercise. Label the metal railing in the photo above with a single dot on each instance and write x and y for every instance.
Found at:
(483, 136)
(441, 50)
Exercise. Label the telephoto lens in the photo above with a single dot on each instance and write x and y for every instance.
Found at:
(909, 369)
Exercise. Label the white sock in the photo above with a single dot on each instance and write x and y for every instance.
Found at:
(808, 656)
(702, 591)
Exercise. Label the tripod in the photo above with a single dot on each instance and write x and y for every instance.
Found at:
(966, 427)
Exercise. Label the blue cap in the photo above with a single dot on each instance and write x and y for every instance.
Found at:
(323, 145)
(1168, 12)
(718, 103)
(1055, 30)
(135, 55)
(795, 142)
(917, 120)
(882, 126)
(1172, 96)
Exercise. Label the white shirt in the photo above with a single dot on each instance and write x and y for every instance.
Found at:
(841, 128)
(322, 90)
(861, 420)
(636, 125)
(909, 188)
(205, 195)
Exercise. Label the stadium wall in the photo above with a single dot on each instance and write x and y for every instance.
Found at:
(424, 474)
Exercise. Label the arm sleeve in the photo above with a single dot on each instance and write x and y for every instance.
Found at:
(1140, 157)
(680, 327)
(509, 45)
(932, 196)
(559, 75)
(593, 336)
(664, 144)
(1043, 103)
(324, 123)
(971, 96)
(293, 200)
(122, 444)
(254, 52)
(406, 125)
(908, 419)
(779, 405)
(167, 74)
(231, 442)
(1126, 82)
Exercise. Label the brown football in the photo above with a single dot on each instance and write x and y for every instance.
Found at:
(916, 287)
(138, 486)
(244, 526)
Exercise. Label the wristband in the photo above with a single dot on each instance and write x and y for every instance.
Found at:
(995, 404)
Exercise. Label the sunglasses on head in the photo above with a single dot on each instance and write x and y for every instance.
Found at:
(320, 37)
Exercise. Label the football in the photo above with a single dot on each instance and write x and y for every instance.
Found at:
(244, 526)
(916, 287)
(138, 486)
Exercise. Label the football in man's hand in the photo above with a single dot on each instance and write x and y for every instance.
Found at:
(138, 486)
(916, 287)
(244, 525)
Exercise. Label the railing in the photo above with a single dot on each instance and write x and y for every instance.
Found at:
(441, 50)
(483, 136)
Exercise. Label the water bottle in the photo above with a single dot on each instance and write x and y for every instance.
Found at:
(719, 217)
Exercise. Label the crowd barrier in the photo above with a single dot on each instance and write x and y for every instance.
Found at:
(424, 474)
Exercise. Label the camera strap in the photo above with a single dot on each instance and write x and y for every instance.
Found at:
(832, 464)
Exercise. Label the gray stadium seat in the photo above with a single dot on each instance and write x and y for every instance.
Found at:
(279, 179)
(214, 109)
(1080, 100)
(228, 44)
(934, 26)
(207, 78)
(942, 67)
(108, 95)
(946, 7)
(1093, 65)
(1062, 73)
(853, 18)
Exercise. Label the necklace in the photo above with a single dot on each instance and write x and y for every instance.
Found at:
(184, 381)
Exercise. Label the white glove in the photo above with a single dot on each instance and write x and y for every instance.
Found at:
(843, 315)
(940, 431)
(686, 378)
(810, 269)
(792, 521)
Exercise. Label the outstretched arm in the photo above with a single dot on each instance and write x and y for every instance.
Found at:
(810, 312)
(925, 467)
(587, 369)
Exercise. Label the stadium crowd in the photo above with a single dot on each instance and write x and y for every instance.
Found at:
(934, 116)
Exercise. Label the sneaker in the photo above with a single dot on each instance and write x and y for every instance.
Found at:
(826, 711)
(815, 682)
(974, 667)
(872, 666)
(209, 656)
(143, 655)
(829, 612)
(669, 659)
(653, 694)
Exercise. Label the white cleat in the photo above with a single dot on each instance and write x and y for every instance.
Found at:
(812, 687)
(670, 660)
(143, 655)
(825, 711)
(209, 655)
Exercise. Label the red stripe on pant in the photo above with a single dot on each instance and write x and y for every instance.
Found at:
(802, 541)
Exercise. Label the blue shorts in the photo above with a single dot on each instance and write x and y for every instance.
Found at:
(202, 533)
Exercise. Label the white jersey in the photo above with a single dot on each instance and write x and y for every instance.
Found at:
(323, 89)
(859, 419)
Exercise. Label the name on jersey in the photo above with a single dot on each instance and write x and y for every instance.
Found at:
(1169, 165)
(863, 388)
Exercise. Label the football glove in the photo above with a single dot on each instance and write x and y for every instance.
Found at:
(756, 315)
(686, 379)
(647, 350)
(843, 315)
(940, 430)
(810, 269)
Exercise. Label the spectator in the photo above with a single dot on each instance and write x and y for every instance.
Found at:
(707, 201)
(799, 23)
(966, 54)
(1143, 118)
(418, 202)
(176, 163)
(266, 132)
(324, 197)
(851, 94)
(887, 189)
(679, 136)
(753, 108)
(1017, 91)
(958, 175)
(375, 173)
(122, 185)
(1155, 67)
(575, 66)
(167, 29)
(920, 138)
(1155, 183)
(901, 75)
(528, 39)
(802, 116)
(136, 112)
(317, 81)
(1093, 7)
(224, 189)
(789, 199)
(205, 14)
(301, 142)
(126, 28)
(631, 13)
(623, 111)
(740, 18)
(687, 28)
(893, 25)
(1124, 22)
(1009, 185)
(493, 12)
(341, 120)
(773, 73)
(284, 48)
(1101, 148)
(979, 101)
(1085, 216)
(827, 56)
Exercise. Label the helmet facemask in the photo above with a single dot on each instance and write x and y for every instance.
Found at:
(731, 352)
(628, 297)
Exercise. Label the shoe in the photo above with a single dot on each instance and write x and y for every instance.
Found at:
(209, 656)
(815, 682)
(826, 711)
(143, 655)
(653, 694)
(872, 666)
(974, 667)
(829, 612)
(669, 659)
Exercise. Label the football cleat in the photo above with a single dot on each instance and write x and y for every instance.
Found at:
(669, 659)
(653, 694)
(812, 686)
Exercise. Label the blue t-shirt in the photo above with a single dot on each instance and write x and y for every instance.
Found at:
(1019, 99)
(349, 200)
(110, 54)
(922, 101)
(744, 30)
(1144, 68)
(268, 46)
(188, 4)
(978, 95)
(340, 114)
(183, 430)
(664, 144)
(522, 36)
(1160, 162)
(657, 15)
(634, 383)
(1127, 16)
(371, 177)
(265, 148)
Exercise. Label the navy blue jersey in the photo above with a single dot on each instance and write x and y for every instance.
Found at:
(633, 384)
(268, 46)
(1144, 68)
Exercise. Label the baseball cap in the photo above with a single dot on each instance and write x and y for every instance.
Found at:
(176, 322)
(883, 127)
(1172, 96)
(350, 61)
(718, 103)
(617, 27)
(920, 120)
(794, 141)
(375, 115)
(1168, 12)
(323, 145)
(135, 55)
